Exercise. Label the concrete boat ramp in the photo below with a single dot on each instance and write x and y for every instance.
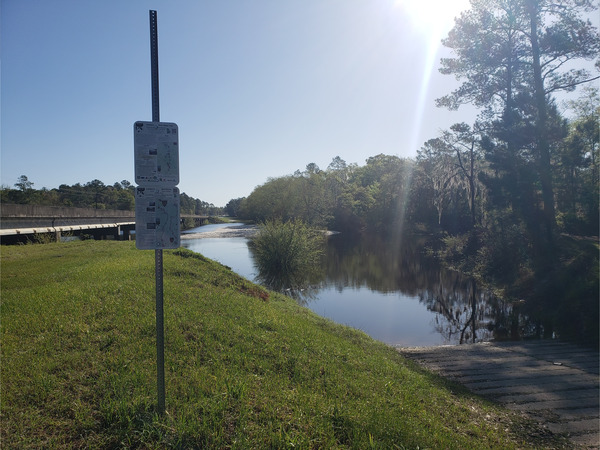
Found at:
(554, 383)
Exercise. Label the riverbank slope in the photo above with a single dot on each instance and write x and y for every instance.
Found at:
(245, 368)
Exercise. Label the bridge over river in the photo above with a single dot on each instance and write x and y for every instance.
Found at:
(20, 222)
(554, 383)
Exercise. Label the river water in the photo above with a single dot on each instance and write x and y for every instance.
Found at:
(389, 289)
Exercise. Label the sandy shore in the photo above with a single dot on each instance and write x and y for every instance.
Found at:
(232, 231)
(225, 232)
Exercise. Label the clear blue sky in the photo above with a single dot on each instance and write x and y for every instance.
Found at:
(258, 88)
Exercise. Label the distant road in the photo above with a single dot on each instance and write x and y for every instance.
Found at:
(18, 220)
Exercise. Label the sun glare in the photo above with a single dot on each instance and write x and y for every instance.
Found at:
(432, 16)
(432, 19)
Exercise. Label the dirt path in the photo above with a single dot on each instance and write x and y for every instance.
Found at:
(554, 383)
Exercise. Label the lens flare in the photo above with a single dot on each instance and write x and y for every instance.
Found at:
(432, 16)
(432, 19)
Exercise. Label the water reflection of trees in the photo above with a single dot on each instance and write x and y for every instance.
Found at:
(463, 312)
(378, 264)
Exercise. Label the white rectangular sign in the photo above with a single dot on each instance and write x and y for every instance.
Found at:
(157, 217)
(156, 151)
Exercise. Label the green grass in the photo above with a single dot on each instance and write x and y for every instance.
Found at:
(245, 368)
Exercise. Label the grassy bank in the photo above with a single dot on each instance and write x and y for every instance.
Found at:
(245, 368)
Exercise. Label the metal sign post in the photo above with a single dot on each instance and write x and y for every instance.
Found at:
(157, 208)
(154, 65)
(158, 253)
(158, 256)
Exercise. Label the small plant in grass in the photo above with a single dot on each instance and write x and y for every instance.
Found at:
(287, 254)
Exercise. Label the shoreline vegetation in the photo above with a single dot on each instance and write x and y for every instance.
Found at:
(287, 254)
(245, 367)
